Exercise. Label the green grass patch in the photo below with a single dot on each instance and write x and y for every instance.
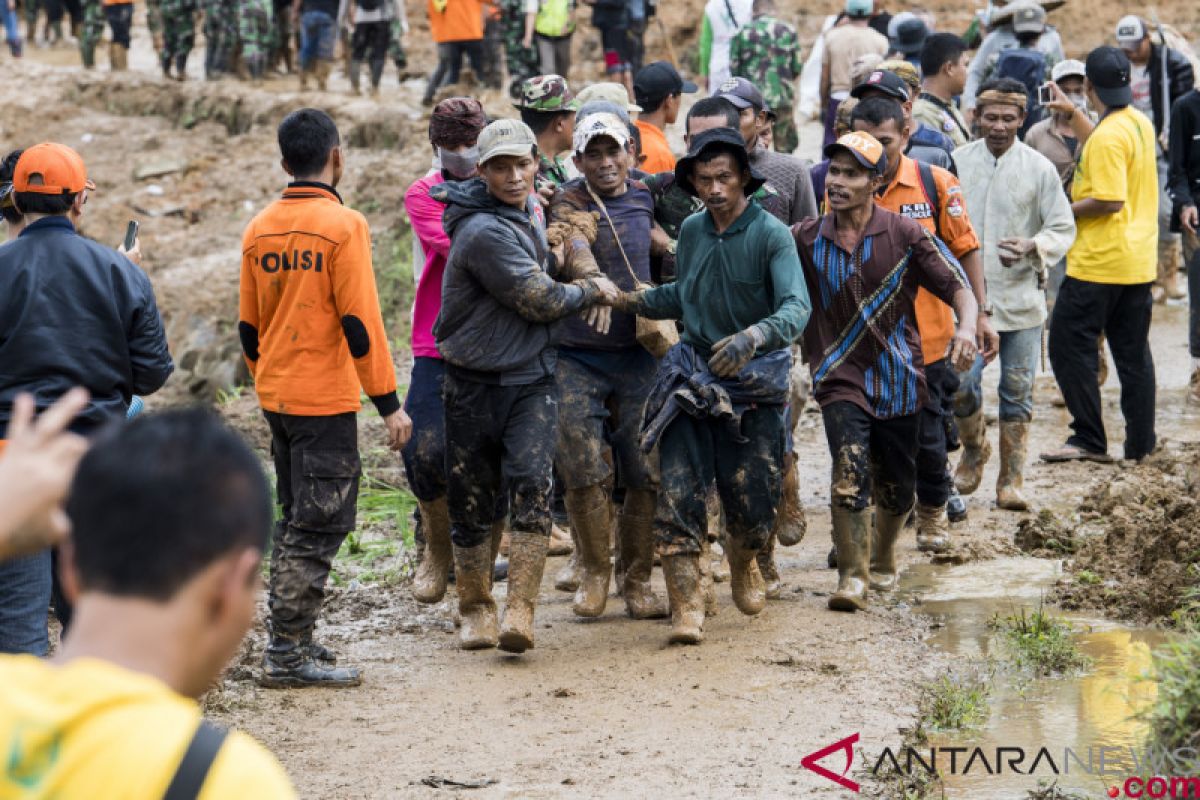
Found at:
(1174, 717)
(955, 702)
(1041, 642)
(382, 504)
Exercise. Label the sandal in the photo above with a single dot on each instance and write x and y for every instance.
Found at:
(1069, 452)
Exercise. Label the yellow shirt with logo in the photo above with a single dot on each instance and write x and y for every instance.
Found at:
(90, 729)
(1118, 162)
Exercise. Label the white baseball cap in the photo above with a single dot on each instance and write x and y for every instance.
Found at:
(1130, 31)
(602, 124)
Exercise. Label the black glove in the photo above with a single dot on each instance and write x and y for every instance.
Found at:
(732, 353)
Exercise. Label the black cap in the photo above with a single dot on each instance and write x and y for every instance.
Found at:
(658, 80)
(889, 83)
(721, 139)
(742, 93)
(910, 36)
(1109, 72)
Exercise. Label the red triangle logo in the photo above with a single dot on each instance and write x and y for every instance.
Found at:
(845, 745)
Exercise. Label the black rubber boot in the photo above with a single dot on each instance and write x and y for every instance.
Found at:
(289, 663)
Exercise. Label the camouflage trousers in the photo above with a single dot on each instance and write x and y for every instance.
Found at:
(786, 136)
(178, 35)
(255, 33)
(317, 468)
(396, 46)
(91, 32)
(695, 454)
(220, 35)
(522, 62)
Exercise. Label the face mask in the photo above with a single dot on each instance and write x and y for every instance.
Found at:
(460, 165)
(1079, 100)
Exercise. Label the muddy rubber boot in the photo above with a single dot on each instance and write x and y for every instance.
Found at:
(745, 581)
(562, 543)
(567, 579)
(635, 530)
(976, 452)
(476, 608)
(591, 518)
(499, 565)
(429, 582)
(87, 54)
(956, 507)
(289, 664)
(682, 573)
(770, 572)
(322, 73)
(790, 522)
(305, 74)
(852, 536)
(883, 549)
(1013, 436)
(526, 561)
(320, 653)
(933, 529)
(118, 57)
(708, 587)
(353, 69)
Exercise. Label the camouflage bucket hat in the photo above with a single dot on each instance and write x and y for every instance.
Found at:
(547, 93)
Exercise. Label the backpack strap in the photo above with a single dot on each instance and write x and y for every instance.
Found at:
(197, 760)
(929, 186)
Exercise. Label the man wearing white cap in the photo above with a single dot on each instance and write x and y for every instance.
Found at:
(501, 298)
(1160, 76)
(604, 378)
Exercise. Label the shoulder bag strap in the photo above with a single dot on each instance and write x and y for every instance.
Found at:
(197, 760)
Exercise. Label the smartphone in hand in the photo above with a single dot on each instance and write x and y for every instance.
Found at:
(1045, 94)
(131, 235)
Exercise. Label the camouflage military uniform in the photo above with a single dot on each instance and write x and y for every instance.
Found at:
(522, 61)
(92, 31)
(220, 34)
(767, 53)
(175, 22)
(254, 31)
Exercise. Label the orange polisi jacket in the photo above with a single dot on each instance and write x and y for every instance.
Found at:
(309, 318)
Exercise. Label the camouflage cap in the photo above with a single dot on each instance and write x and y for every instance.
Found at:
(547, 93)
(907, 72)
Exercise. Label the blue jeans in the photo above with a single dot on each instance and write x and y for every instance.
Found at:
(318, 33)
(24, 603)
(1019, 355)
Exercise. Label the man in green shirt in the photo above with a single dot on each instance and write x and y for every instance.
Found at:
(717, 410)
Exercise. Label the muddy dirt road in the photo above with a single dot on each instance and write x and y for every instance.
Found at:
(603, 709)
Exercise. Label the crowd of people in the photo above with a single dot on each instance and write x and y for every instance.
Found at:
(599, 323)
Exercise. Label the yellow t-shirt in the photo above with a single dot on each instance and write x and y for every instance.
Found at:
(89, 729)
(1118, 163)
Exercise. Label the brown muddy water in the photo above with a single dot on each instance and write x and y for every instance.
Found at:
(1092, 714)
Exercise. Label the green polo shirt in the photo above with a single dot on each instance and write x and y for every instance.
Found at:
(726, 282)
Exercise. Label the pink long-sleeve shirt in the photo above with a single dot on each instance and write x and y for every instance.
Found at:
(425, 214)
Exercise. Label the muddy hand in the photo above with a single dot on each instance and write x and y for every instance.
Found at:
(732, 353)
(962, 350)
(987, 340)
(35, 473)
(399, 429)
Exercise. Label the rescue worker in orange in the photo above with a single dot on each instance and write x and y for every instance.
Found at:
(313, 337)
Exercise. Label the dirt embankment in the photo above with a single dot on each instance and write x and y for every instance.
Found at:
(1133, 547)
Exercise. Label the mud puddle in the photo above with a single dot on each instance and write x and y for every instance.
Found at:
(1082, 712)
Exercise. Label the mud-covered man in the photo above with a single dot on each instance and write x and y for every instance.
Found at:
(313, 338)
(716, 412)
(605, 377)
(496, 333)
(863, 265)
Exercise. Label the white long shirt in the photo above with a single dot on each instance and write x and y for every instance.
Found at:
(723, 30)
(1018, 195)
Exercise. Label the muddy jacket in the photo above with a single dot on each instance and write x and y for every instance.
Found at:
(309, 318)
(76, 313)
(499, 301)
(685, 385)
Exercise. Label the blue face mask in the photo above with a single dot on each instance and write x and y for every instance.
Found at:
(461, 165)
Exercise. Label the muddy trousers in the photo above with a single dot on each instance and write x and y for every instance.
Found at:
(425, 454)
(499, 443)
(933, 475)
(1083, 311)
(873, 459)
(1019, 355)
(696, 453)
(317, 471)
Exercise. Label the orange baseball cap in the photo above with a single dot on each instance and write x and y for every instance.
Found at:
(865, 148)
(61, 168)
